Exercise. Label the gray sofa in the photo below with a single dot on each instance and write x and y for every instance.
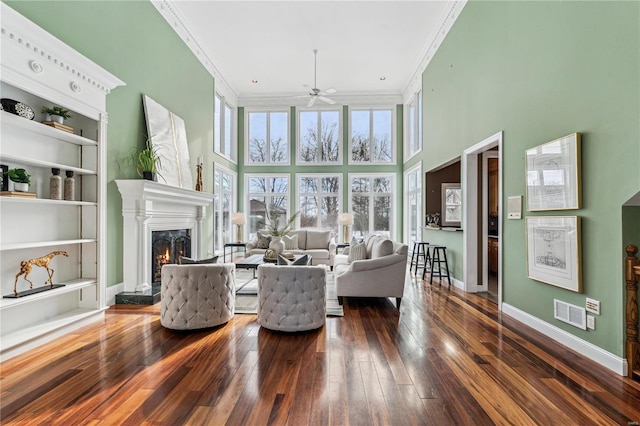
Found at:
(317, 243)
(381, 274)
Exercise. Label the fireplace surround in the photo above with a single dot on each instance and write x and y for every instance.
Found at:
(149, 206)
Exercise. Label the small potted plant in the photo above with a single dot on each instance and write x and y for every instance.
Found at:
(20, 178)
(56, 113)
(148, 162)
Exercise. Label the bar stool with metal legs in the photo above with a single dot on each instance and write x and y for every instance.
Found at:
(436, 263)
(420, 251)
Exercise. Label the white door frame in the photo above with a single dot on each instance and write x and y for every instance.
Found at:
(485, 216)
(469, 171)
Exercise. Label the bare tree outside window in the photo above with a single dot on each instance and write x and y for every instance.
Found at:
(266, 193)
(319, 136)
(319, 201)
(371, 136)
(371, 204)
(271, 127)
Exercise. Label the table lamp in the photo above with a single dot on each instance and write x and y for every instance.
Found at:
(345, 219)
(239, 219)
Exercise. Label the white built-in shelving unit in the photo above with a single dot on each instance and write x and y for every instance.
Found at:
(39, 70)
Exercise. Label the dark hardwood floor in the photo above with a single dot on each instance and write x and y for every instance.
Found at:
(447, 358)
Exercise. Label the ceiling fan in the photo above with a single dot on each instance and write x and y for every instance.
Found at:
(314, 92)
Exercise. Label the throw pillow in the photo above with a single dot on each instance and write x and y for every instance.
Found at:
(302, 260)
(263, 240)
(188, 261)
(318, 239)
(382, 247)
(290, 242)
(357, 252)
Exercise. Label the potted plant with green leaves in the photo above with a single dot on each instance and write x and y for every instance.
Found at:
(271, 222)
(56, 113)
(148, 162)
(20, 178)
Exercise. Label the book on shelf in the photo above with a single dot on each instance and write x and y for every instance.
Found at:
(18, 194)
(59, 126)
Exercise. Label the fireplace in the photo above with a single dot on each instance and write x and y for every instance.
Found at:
(167, 247)
(150, 208)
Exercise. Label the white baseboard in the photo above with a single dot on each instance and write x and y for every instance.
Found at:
(589, 350)
(112, 291)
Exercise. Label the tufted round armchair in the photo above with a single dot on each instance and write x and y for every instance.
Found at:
(291, 298)
(197, 296)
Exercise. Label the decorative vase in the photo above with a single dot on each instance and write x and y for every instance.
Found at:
(149, 176)
(22, 187)
(57, 118)
(277, 244)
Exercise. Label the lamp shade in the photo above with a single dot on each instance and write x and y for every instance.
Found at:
(238, 218)
(345, 218)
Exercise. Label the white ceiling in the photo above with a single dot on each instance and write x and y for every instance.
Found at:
(272, 42)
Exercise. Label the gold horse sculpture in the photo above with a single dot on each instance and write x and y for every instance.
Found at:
(26, 265)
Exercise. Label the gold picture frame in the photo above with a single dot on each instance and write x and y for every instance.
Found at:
(553, 175)
(554, 251)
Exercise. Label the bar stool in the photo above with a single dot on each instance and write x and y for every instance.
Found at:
(420, 250)
(438, 258)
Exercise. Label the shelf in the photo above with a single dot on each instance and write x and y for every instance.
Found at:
(45, 201)
(37, 331)
(8, 119)
(46, 164)
(69, 286)
(37, 244)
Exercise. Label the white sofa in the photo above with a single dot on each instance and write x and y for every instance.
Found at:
(381, 274)
(317, 243)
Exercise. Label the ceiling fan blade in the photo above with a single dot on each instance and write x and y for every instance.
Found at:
(311, 102)
(330, 91)
(327, 100)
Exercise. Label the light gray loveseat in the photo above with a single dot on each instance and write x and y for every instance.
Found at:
(381, 274)
(317, 243)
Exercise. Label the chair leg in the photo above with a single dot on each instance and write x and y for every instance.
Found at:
(398, 301)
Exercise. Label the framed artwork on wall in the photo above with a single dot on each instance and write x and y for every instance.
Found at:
(554, 252)
(451, 204)
(553, 175)
(3, 175)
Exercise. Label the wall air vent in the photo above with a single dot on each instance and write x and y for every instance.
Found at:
(571, 314)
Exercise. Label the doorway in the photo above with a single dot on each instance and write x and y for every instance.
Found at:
(475, 216)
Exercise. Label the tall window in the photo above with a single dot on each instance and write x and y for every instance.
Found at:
(413, 203)
(224, 190)
(372, 204)
(268, 137)
(372, 138)
(223, 133)
(266, 193)
(319, 137)
(413, 126)
(319, 201)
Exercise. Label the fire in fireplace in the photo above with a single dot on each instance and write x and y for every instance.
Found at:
(167, 247)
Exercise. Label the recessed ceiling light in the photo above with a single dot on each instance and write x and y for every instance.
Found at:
(383, 78)
(254, 81)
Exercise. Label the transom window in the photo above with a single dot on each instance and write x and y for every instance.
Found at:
(372, 138)
(268, 137)
(319, 201)
(372, 204)
(269, 192)
(223, 128)
(319, 137)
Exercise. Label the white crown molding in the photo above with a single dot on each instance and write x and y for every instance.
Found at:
(589, 350)
(181, 26)
(294, 99)
(21, 33)
(432, 45)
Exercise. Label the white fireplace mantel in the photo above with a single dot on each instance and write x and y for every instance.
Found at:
(149, 206)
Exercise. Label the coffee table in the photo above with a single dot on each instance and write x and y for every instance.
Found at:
(252, 262)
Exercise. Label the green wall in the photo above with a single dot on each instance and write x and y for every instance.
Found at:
(132, 41)
(539, 71)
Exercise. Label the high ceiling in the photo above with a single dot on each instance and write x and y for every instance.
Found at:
(272, 42)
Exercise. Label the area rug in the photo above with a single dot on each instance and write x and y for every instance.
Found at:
(247, 298)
